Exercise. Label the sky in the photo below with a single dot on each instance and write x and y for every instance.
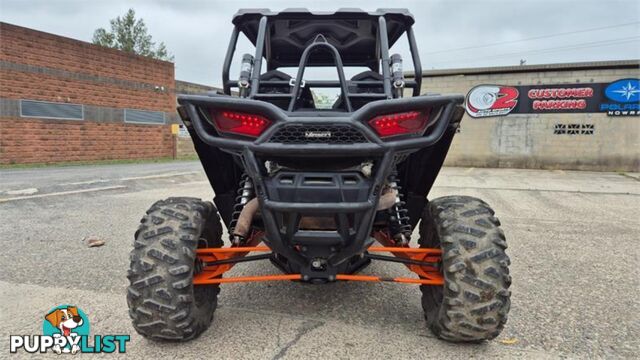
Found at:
(449, 33)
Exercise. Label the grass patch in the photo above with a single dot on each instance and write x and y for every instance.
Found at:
(98, 162)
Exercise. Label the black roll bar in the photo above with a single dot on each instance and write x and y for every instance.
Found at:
(417, 65)
(231, 49)
(319, 43)
(257, 62)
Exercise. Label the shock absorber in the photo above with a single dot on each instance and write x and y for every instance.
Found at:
(244, 194)
(245, 74)
(397, 75)
(398, 218)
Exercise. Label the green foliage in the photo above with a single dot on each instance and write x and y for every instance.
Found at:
(130, 34)
(324, 98)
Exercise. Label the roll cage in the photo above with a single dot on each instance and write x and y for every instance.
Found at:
(289, 38)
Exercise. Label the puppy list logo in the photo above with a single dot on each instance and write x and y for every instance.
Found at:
(66, 331)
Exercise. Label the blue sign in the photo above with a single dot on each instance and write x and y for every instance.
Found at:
(624, 91)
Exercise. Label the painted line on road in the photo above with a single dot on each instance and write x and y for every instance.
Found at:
(63, 193)
(193, 183)
(27, 191)
(89, 182)
(158, 176)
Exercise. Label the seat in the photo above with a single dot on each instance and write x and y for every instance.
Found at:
(362, 89)
(306, 98)
(367, 89)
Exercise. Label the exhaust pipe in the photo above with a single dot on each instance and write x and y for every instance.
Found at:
(387, 199)
(246, 217)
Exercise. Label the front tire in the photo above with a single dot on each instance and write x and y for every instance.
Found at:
(163, 302)
(474, 301)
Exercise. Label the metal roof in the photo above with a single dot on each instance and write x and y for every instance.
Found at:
(353, 32)
(306, 13)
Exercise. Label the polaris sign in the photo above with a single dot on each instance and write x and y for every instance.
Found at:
(625, 95)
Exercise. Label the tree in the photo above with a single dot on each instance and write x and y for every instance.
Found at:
(130, 34)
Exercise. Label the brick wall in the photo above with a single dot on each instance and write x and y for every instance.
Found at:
(528, 140)
(92, 65)
(42, 141)
(39, 66)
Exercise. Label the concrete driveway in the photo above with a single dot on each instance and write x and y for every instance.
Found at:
(573, 241)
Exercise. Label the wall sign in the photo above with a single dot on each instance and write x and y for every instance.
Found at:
(183, 132)
(491, 100)
(623, 98)
(618, 98)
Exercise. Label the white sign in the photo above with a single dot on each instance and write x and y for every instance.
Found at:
(182, 131)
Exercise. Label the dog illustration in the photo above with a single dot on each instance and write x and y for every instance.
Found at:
(65, 320)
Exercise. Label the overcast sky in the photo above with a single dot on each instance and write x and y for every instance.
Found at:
(196, 31)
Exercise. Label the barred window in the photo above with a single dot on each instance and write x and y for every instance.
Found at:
(143, 117)
(51, 110)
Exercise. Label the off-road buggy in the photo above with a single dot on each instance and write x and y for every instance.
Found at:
(319, 187)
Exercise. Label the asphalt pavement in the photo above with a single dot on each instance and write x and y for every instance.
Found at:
(573, 241)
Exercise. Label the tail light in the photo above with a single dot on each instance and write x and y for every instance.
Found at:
(412, 122)
(240, 123)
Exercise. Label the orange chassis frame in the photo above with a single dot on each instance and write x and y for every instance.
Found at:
(428, 275)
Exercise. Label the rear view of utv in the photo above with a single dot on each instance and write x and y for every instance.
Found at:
(321, 191)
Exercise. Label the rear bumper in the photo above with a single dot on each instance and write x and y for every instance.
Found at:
(352, 208)
(443, 108)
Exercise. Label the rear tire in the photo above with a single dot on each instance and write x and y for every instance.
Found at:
(474, 301)
(163, 303)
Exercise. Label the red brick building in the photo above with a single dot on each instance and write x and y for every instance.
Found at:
(67, 100)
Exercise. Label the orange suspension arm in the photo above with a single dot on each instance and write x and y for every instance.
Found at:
(417, 254)
(345, 277)
(213, 274)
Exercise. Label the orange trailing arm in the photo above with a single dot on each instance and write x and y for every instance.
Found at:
(209, 273)
(428, 255)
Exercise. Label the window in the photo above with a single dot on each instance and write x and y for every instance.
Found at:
(51, 110)
(143, 117)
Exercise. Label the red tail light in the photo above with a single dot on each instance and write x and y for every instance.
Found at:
(412, 122)
(240, 123)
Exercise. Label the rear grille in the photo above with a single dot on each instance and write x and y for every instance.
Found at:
(318, 134)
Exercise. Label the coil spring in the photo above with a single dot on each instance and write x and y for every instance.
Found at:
(244, 194)
(399, 219)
